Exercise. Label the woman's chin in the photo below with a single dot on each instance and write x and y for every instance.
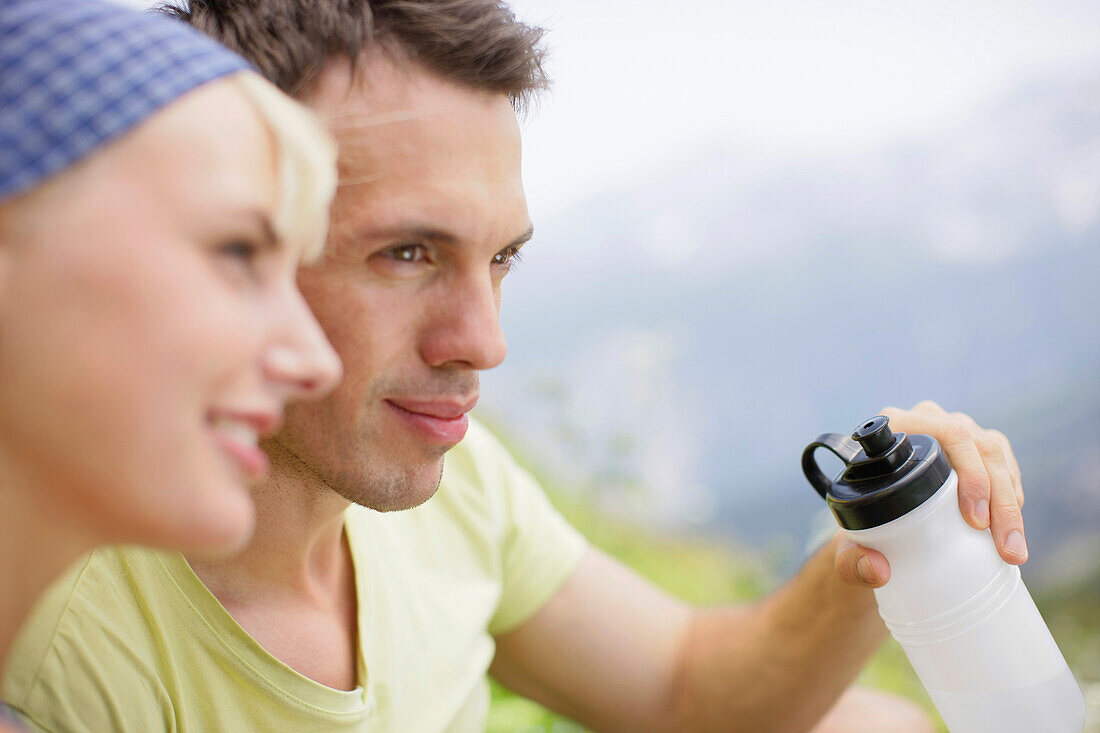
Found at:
(215, 522)
(228, 530)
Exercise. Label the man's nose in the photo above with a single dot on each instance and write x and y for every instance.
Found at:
(465, 328)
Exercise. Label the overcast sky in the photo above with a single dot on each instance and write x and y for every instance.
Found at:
(787, 77)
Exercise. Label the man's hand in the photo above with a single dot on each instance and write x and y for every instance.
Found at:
(990, 491)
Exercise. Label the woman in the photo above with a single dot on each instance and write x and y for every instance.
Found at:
(155, 199)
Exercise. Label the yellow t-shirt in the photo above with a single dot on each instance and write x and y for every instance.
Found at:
(131, 640)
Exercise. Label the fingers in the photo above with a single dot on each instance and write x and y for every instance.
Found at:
(1013, 466)
(1007, 523)
(990, 486)
(929, 407)
(974, 491)
(954, 436)
(860, 565)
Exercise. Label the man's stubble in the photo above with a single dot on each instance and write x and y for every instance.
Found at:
(354, 458)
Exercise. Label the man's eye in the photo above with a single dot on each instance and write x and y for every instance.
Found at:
(407, 253)
(509, 256)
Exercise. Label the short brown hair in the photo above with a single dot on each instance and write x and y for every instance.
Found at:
(476, 43)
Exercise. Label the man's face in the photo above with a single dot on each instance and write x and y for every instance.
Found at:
(428, 215)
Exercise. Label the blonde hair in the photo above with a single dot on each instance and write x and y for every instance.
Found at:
(306, 164)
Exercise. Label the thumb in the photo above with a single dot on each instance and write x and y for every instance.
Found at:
(860, 565)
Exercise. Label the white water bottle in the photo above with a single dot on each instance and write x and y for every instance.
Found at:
(963, 615)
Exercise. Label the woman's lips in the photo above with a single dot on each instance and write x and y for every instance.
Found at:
(252, 461)
(239, 436)
(438, 422)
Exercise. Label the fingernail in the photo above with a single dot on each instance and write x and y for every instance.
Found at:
(864, 570)
(981, 513)
(1014, 543)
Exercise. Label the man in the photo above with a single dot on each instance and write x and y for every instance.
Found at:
(343, 618)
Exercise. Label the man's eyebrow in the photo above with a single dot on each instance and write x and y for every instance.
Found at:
(524, 238)
(419, 232)
(404, 231)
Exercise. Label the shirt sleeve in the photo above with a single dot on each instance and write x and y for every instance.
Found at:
(540, 550)
(84, 705)
(68, 673)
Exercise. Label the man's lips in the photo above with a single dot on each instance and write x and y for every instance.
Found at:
(438, 421)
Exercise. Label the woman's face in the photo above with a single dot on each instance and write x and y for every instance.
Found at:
(151, 329)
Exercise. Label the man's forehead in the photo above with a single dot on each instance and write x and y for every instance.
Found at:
(384, 77)
(384, 87)
(414, 146)
(431, 130)
(402, 209)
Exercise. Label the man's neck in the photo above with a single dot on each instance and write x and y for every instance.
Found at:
(297, 548)
(293, 587)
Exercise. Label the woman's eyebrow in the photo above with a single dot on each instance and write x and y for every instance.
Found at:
(258, 223)
(268, 235)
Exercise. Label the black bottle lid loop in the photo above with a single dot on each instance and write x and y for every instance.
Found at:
(885, 476)
(839, 445)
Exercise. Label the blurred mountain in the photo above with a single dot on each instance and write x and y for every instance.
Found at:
(676, 341)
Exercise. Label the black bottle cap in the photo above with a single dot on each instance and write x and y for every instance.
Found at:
(886, 475)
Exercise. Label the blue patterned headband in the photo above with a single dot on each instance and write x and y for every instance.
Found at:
(76, 74)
